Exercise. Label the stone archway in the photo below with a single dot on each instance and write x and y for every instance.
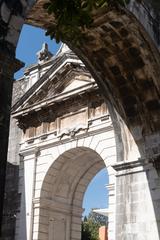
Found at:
(139, 108)
(62, 192)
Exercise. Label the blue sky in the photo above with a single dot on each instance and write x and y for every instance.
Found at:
(29, 44)
(96, 194)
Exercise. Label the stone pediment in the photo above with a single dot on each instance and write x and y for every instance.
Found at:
(68, 79)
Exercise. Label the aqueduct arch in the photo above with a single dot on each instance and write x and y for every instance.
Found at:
(127, 73)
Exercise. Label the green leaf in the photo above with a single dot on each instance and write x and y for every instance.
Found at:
(72, 15)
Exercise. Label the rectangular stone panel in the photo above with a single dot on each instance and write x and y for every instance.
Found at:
(74, 120)
(57, 230)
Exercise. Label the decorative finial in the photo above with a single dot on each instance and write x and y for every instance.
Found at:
(44, 54)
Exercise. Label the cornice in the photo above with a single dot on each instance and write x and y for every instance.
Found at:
(130, 167)
(62, 97)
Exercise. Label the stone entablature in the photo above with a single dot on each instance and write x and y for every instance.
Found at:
(65, 118)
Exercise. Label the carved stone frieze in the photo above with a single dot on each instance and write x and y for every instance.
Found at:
(73, 131)
(79, 110)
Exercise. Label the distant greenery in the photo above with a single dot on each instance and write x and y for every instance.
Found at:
(91, 224)
(72, 16)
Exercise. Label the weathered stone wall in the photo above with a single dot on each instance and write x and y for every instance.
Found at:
(11, 202)
(137, 201)
(127, 72)
(19, 88)
(12, 15)
(12, 195)
(8, 65)
(148, 14)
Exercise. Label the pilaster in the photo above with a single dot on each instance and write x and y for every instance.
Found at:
(28, 174)
(137, 200)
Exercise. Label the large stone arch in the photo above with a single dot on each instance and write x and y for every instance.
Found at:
(62, 174)
(127, 72)
(139, 108)
(78, 167)
(62, 194)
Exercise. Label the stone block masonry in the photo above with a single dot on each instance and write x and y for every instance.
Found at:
(8, 65)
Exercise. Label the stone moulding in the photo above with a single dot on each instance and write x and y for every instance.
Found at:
(124, 168)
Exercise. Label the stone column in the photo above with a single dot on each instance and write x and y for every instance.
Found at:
(8, 65)
(137, 200)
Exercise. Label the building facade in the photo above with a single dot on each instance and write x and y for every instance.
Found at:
(61, 136)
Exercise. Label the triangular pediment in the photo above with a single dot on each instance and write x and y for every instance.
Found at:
(68, 78)
(56, 87)
(75, 83)
(72, 82)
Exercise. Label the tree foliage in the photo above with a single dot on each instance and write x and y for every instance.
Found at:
(98, 218)
(91, 224)
(70, 17)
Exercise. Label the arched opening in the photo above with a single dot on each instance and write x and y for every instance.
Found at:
(62, 193)
(96, 195)
(95, 205)
(126, 66)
